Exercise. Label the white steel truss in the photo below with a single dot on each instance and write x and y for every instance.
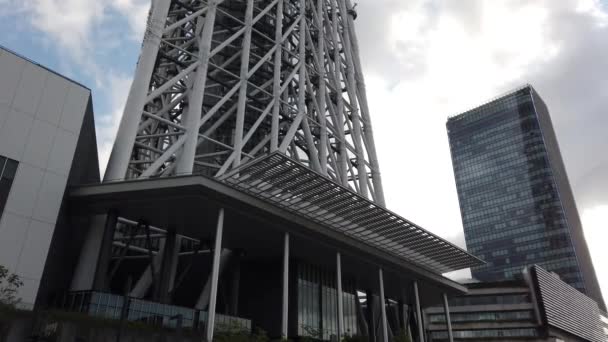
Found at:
(220, 82)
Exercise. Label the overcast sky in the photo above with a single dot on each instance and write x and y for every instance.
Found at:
(424, 60)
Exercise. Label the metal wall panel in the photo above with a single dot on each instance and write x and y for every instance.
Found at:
(41, 114)
(565, 308)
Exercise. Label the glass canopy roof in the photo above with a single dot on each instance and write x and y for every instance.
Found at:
(285, 182)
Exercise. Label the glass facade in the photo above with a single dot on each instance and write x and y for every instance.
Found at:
(494, 299)
(518, 332)
(486, 316)
(488, 311)
(318, 303)
(110, 306)
(516, 204)
(8, 169)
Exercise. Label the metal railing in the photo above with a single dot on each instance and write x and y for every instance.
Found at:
(112, 306)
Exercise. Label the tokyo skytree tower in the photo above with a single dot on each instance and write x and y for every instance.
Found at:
(219, 83)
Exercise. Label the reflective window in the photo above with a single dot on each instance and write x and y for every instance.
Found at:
(111, 306)
(8, 169)
(490, 300)
(484, 316)
(317, 303)
(511, 208)
(521, 332)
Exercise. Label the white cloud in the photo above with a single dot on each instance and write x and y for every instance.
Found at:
(136, 12)
(71, 23)
(80, 28)
(68, 22)
(462, 67)
(431, 59)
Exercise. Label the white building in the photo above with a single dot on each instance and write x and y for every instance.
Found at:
(41, 126)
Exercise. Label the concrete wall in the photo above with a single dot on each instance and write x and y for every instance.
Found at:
(41, 114)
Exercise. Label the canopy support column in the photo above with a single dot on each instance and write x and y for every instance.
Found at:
(215, 271)
(383, 307)
(340, 297)
(418, 313)
(448, 321)
(285, 303)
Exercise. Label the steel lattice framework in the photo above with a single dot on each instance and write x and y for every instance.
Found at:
(222, 82)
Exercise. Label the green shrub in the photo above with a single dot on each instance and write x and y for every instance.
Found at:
(402, 336)
(9, 286)
(354, 338)
(235, 333)
(307, 339)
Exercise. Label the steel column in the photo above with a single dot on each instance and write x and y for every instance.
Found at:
(295, 125)
(340, 296)
(147, 278)
(276, 86)
(236, 286)
(285, 307)
(242, 102)
(365, 113)
(418, 313)
(369, 295)
(185, 163)
(203, 299)
(127, 131)
(337, 58)
(401, 315)
(86, 269)
(322, 87)
(448, 320)
(383, 307)
(170, 253)
(352, 95)
(105, 253)
(174, 263)
(217, 247)
(361, 320)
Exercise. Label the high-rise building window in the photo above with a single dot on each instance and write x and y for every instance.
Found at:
(8, 169)
(516, 203)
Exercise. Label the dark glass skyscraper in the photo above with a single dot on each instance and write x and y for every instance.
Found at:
(516, 203)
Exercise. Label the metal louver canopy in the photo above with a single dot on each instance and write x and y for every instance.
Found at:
(293, 186)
